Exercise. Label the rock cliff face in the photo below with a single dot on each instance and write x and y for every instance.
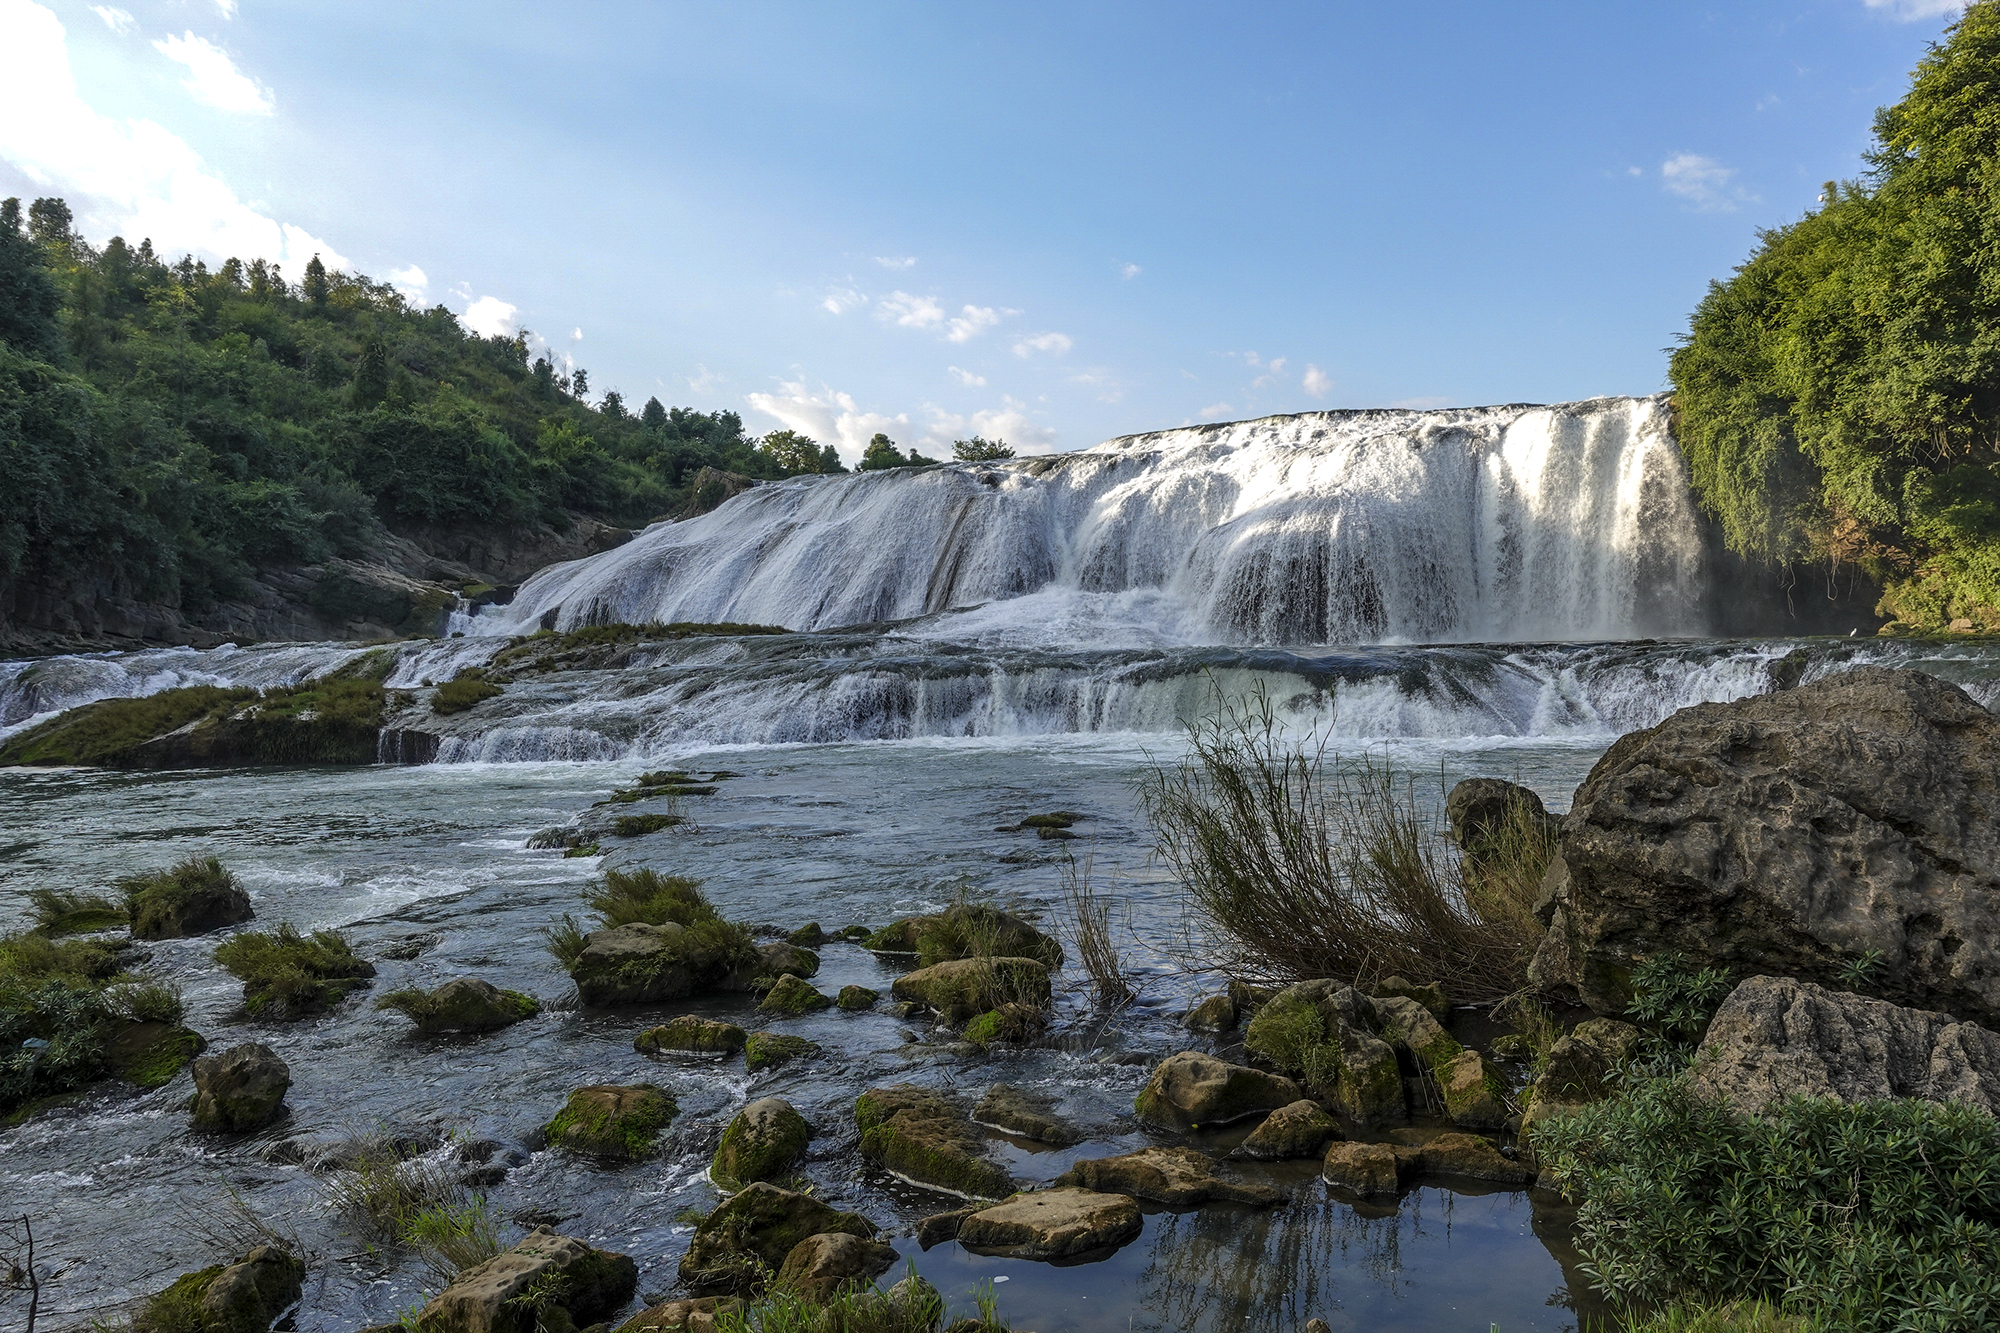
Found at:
(403, 585)
(1851, 823)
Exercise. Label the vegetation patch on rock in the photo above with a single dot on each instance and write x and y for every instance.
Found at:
(740, 1246)
(466, 1004)
(201, 726)
(192, 898)
(920, 1136)
(287, 975)
(768, 1050)
(607, 1120)
(704, 1036)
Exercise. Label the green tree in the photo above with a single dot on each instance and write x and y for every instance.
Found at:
(881, 454)
(371, 378)
(29, 302)
(792, 453)
(977, 450)
(653, 416)
(316, 286)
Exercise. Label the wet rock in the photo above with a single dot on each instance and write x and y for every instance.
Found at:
(704, 1036)
(768, 1050)
(1474, 1093)
(1366, 1169)
(1217, 1013)
(636, 964)
(694, 1314)
(1298, 1130)
(959, 989)
(1855, 819)
(1431, 995)
(1008, 1108)
(856, 998)
(786, 960)
(967, 930)
(609, 1120)
(1192, 1089)
(808, 936)
(1466, 1156)
(940, 1227)
(1061, 1223)
(589, 1285)
(1778, 1037)
(820, 1267)
(789, 997)
(1583, 1060)
(249, 1295)
(192, 898)
(240, 1088)
(1481, 811)
(750, 1235)
(1010, 1022)
(920, 1136)
(1177, 1177)
(763, 1140)
(464, 1005)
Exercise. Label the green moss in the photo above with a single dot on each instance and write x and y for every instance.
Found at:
(442, 1010)
(920, 1136)
(1286, 1031)
(619, 1122)
(56, 913)
(768, 1050)
(790, 997)
(689, 1033)
(177, 1309)
(153, 1063)
(986, 1028)
(191, 898)
(855, 998)
(99, 733)
(638, 826)
(582, 849)
(462, 691)
(328, 722)
(287, 975)
(746, 1153)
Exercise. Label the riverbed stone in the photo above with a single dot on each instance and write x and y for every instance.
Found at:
(1430, 995)
(1060, 1223)
(790, 997)
(1216, 1013)
(464, 1004)
(1779, 1037)
(748, 1237)
(1850, 822)
(1466, 1156)
(1006, 1107)
(1176, 1177)
(703, 1036)
(967, 930)
(637, 963)
(612, 1120)
(1326, 1034)
(821, 1266)
(920, 1136)
(961, 988)
(763, 1140)
(768, 1050)
(786, 959)
(853, 999)
(249, 1295)
(808, 936)
(1009, 1023)
(1193, 1089)
(1300, 1129)
(591, 1285)
(690, 1314)
(239, 1089)
(1366, 1169)
(1583, 1060)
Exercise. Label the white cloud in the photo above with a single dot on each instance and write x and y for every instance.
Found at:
(1909, 11)
(896, 261)
(970, 322)
(967, 378)
(1317, 382)
(214, 79)
(128, 176)
(490, 315)
(1271, 374)
(227, 8)
(842, 299)
(576, 336)
(1214, 411)
(1634, 171)
(912, 312)
(411, 282)
(1009, 422)
(1702, 181)
(1053, 343)
(118, 20)
(705, 379)
(828, 416)
(1129, 271)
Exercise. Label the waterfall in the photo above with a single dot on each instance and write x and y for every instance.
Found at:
(1467, 525)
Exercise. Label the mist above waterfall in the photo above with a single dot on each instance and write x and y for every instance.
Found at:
(1486, 524)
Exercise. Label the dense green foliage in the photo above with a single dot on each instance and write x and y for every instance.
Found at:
(322, 722)
(287, 975)
(882, 454)
(169, 430)
(62, 1007)
(159, 902)
(1839, 397)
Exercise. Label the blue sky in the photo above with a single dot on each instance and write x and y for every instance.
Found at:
(1054, 223)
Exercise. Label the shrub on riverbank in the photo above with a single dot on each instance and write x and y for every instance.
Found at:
(330, 722)
(1315, 871)
(287, 975)
(191, 898)
(1867, 1216)
(69, 1017)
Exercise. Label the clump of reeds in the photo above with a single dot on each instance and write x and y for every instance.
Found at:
(1090, 931)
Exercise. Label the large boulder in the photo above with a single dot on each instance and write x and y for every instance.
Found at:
(1191, 1090)
(1176, 1177)
(466, 1004)
(922, 1137)
(588, 1285)
(249, 1295)
(1850, 823)
(1061, 1223)
(1777, 1037)
(1298, 1130)
(1483, 811)
(633, 964)
(240, 1088)
(745, 1240)
(608, 1120)
(702, 1036)
(966, 930)
(790, 997)
(763, 1140)
(959, 989)
(822, 1266)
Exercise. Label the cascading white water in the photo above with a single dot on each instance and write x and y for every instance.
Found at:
(1488, 524)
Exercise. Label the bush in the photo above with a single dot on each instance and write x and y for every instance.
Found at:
(452, 1237)
(288, 975)
(195, 896)
(385, 1188)
(53, 994)
(627, 896)
(566, 940)
(462, 691)
(55, 912)
(1318, 872)
(1867, 1216)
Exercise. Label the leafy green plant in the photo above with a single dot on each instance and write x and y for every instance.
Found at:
(1673, 1003)
(287, 975)
(56, 912)
(1860, 972)
(451, 1237)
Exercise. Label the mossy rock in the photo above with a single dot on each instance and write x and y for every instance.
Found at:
(1431, 995)
(192, 898)
(1324, 1033)
(607, 1120)
(465, 1004)
(641, 963)
(287, 975)
(959, 989)
(178, 1309)
(463, 691)
(966, 930)
(741, 1245)
(763, 1140)
(768, 1050)
(702, 1036)
(790, 997)
(326, 722)
(638, 826)
(808, 936)
(582, 849)
(1193, 1090)
(150, 1054)
(919, 1136)
(1010, 1023)
(785, 960)
(856, 998)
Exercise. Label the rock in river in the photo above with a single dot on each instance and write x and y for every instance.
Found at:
(821, 1266)
(1192, 1089)
(921, 1136)
(750, 1236)
(1176, 1177)
(763, 1140)
(589, 1285)
(1298, 1130)
(606, 1120)
(240, 1088)
(1060, 1223)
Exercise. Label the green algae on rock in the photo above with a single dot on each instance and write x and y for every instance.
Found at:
(763, 1140)
(920, 1136)
(703, 1036)
(609, 1120)
(465, 1004)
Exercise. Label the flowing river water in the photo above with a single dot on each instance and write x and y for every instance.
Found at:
(874, 766)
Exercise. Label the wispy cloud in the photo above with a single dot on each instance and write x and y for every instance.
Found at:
(896, 261)
(227, 8)
(1055, 344)
(970, 322)
(411, 282)
(705, 379)
(1214, 411)
(1101, 382)
(1910, 11)
(825, 414)
(213, 78)
(1129, 271)
(911, 312)
(490, 315)
(1011, 421)
(967, 378)
(118, 20)
(1704, 182)
(1273, 372)
(842, 299)
(128, 176)
(1317, 383)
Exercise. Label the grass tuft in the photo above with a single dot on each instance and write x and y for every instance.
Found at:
(287, 975)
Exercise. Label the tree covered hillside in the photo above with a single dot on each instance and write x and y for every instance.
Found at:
(168, 431)
(1839, 397)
